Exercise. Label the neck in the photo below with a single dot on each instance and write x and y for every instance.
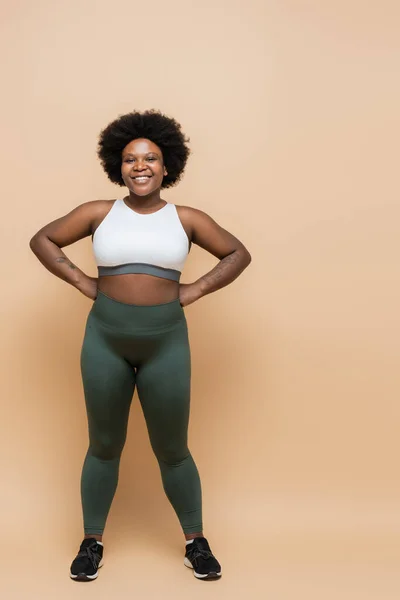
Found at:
(144, 202)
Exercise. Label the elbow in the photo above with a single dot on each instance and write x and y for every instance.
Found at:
(242, 251)
(243, 254)
(247, 255)
(34, 241)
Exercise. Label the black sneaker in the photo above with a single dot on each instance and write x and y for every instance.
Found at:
(88, 560)
(198, 556)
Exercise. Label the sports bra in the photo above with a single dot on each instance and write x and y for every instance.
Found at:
(130, 242)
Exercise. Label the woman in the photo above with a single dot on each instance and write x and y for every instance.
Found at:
(136, 332)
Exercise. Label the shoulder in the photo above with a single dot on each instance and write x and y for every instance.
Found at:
(99, 206)
(94, 208)
(207, 233)
(192, 218)
(97, 210)
(189, 218)
(188, 211)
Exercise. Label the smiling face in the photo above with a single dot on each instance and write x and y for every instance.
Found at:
(142, 167)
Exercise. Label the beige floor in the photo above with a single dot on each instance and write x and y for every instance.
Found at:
(273, 566)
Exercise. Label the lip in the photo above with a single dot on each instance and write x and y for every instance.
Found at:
(142, 182)
(145, 182)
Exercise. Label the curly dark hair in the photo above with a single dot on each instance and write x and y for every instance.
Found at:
(152, 125)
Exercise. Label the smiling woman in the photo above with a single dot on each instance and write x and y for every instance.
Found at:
(136, 332)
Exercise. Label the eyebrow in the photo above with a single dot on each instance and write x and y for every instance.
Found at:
(145, 153)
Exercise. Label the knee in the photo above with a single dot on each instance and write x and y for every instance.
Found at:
(106, 447)
(172, 456)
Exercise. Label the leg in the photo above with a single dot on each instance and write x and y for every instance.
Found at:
(163, 383)
(109, 384)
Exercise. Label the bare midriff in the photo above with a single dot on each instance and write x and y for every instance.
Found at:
(139, 288)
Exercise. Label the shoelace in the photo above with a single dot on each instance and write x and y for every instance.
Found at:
(91, 554)
(197, 552)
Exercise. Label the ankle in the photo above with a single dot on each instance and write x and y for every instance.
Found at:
(96, 536)
(191, 536)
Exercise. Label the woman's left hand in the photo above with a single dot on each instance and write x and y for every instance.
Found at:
(188, 293)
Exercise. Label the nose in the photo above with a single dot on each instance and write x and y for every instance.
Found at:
(139, 166)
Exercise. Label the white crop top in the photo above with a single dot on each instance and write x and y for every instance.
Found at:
(129, 242)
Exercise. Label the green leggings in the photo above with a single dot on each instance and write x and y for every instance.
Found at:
(145, 345)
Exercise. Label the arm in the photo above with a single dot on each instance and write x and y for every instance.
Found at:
(233, 255)
(46, 244)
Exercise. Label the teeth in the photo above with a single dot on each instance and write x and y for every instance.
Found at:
(142, 178)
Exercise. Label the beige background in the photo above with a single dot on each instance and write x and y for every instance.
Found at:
(292, 112)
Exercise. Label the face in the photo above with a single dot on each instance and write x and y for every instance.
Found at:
(142, 166)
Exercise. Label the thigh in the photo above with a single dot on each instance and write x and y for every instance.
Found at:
(163, 384)
(109, 384)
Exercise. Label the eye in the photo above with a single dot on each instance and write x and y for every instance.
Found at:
(151, 158)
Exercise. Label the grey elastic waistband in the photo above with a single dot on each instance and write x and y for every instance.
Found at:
(140, 268)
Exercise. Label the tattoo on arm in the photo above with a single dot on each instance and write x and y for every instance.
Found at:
(67, 261)
(223, 273)
(220, 269)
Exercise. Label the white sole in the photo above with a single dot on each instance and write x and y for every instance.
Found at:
(88, 576)
(187, 563)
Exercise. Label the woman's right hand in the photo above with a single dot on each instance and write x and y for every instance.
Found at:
(88, 286)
